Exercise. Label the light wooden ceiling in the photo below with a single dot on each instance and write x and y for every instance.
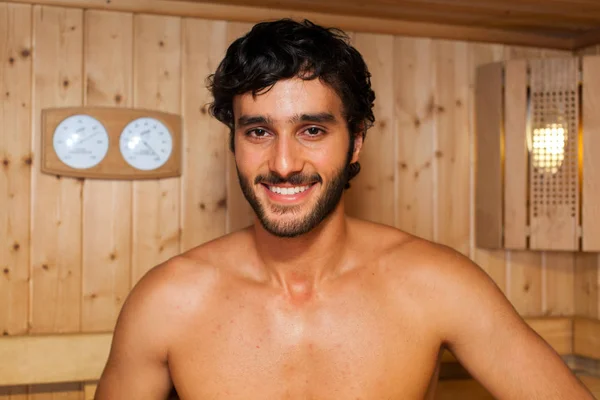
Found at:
(569, 24)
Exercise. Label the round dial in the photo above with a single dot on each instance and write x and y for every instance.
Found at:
(80, 141)
(146, 143)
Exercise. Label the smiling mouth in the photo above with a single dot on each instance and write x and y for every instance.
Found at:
(288, 190)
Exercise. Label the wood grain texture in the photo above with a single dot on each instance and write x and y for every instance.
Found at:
(515, 159)
(451, 162)
(15, 166)
(371, 195)
(488, 131)
(239, 212)
(205, 151)
(559, 285)
(586, 334)
(56, 213)
(525, 282)
(157, 86)
(106, 204)
(359, 23)
(587, 284)
(591, 148)
(415, 86)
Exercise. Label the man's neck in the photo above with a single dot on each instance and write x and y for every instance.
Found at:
(300, 264)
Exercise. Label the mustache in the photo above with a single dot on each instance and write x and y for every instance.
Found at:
(296, 179)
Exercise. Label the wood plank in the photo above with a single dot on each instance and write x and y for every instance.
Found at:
(205, 155)
(557, 332)
(56, 218)
(371, 195)
(586, 277)
(89, 391)
(157, 81)
(591, 147)
(488, 184)
(586, 333)
(239, 212)
(106, 204)
(515, 155)
(525, 282)
(493, 262)
(362, 23)
(559, 298)
(415, 87)
(15, 173)
(453, 142)
(33, 359)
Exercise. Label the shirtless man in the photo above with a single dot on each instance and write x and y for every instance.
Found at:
(308, 303)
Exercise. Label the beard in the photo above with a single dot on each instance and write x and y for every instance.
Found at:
(325, 204)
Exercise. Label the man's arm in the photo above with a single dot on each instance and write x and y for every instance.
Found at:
(485, 333)
(137, 364)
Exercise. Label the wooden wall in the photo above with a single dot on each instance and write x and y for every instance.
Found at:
(71, 249)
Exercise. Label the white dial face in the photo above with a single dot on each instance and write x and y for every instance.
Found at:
(146, 143)
(80, 141)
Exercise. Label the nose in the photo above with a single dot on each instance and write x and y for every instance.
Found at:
(286, 156)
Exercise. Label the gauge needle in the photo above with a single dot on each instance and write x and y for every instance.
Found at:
(151, 149)
(86, 138)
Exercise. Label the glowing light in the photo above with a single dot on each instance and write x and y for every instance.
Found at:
(549, 147)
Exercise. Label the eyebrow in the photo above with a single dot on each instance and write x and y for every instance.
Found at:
(324, 117)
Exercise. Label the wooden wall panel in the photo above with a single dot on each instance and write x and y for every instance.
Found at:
(414, 88)
(371, 195)
(204, 191)
(525, 282)
(106, 204)
(451, 162)
(493, 262)
(56, 213)
(157, 85)
(15, 168)
(15, 173)
(558, 274)
(239, 212)
(587, 284)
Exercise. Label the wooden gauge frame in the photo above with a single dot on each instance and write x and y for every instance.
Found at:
(113, 166)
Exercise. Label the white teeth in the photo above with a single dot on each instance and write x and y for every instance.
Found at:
(288, 190)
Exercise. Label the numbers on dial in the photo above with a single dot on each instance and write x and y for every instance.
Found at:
(80, 141)
(146, 143)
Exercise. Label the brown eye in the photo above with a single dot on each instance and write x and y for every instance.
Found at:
(314, 131)
(258, 132)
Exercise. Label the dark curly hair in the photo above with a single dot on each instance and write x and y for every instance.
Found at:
(284, 49)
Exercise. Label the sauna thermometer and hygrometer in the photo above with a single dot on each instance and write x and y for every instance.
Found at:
(111, 143)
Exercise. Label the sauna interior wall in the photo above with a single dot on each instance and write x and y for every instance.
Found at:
(70, 250)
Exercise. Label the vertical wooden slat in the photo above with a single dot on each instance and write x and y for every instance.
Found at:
(414, 86)
(488, 186)
(591, 149)
(493, 262)
(15, 166)
(525, 271)
(204, 188)
(371, 195)
(515, 161)
(587, 283)
(56, 212)
(453, 146)
(157, 80)
(15, 173)
(106, 204)
(239, 212)
(56, 225)
(560, 295)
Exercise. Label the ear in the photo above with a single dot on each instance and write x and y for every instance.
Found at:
(358, 142)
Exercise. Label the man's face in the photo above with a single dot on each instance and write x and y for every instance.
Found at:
(291, 152)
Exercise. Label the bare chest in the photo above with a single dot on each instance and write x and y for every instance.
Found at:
(355, 348)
